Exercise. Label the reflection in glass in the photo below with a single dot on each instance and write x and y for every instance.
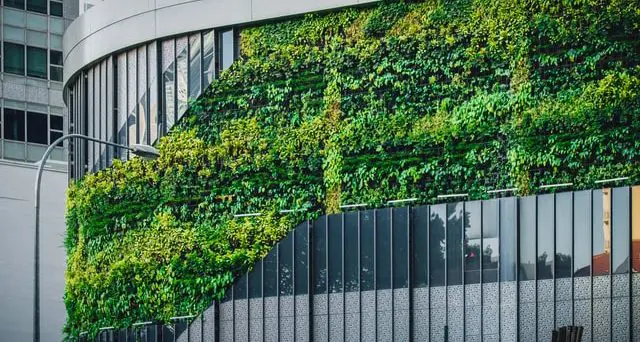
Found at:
(320, 255)
(420, 240)
(142, 95)
(564, 235)
(472, 241)
(620, 231)
(635, 228)
(208, 70)
(255, 281)
(454, 243)
(103, 113)
(110, 111)
(122, 102)
(601, 253)
(152, 56)
(351, 278)
(490, 241)
(400, 261)
(437, 246)
(228, 49)
(168, 82)
(300, 259)
(182, 74)
(285, 267)
(195, 68)
(383, 249)
(132, 87)
(582, 233)
(90, 117)
(508, 240)
(270, 274)
(545, 236)
(335, 253)
(240, 288)
(367, 258)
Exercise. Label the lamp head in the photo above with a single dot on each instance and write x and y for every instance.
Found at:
(145, 151)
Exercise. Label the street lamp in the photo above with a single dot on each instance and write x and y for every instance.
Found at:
(144, 151)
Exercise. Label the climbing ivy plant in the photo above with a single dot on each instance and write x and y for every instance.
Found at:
(362, 105)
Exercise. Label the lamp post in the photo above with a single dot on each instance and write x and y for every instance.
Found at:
(144, 151)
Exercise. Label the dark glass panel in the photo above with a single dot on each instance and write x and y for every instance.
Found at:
(601, 253)
(167, 334)
(420, 241)
(335, 253)
(508, 240)
(19, 4)
(36, 62)
(270, 269)
(255, 281)
(180, 327)
(285, 266)
(455, 221)
(55, 73)
(56, 122)
(37, 131)
(55, 8)
(55, 136)
(351, 267)
(620, 231)
(490, 240)
(437, 246)
(39, 6)
(300, 259)
(545, 236)
(635, 228)
(400, 248)
(240, 288)
(564, 235)
(383, 249)
(55, 57)
(13, 124)
(320, 255)
(367, 250)
(582, 233)
(13, 58)
(472, 241)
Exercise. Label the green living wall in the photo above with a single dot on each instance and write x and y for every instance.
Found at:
(361, 105)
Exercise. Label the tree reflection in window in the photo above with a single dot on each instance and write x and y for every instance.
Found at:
(437, 247)
(490, 241)
(472, 242)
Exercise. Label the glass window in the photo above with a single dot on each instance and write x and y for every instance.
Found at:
(143, 91)
(383, 249)
(601, 253)
(13, 124)
(132, 120)
(168, 82)
(582, 233)
(182, 75)
(564, 235)
(227, 48)
(620, 231)
(301, 259)
(437, 246)
(454, 243)
(56, 135)
(14, 58)
(635, 228)
(55, 73)
(400, 248)
(240, 288)
(545, 236)
(472, 241)
(56, 8)
(56, 25)
(152, 56)
(56, 57)
(37, 131)
(285, 267)
(255, 281)
(36, 62)
(351, 278)
(420, 226)
(121, 89)
(320, 255)
(335, 253)
(39, 6)
(195, 67)
(367, 251)
(208, 65)
(508, 240)
(490, 240)
(270, 267)
(14, 3)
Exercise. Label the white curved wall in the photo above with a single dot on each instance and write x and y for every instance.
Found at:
(117, 24)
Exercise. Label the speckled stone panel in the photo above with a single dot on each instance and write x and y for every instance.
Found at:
(226, 311)
(368, 301)
(240, 321)
(473, 320)
(601, 287)
(270, 329)
(455, 322)
(195, 330)
(455, 295)
(286, 306)
(601, 320)
(368, 329)
(352, 327)
(620, 319)
(209, 324)
(437, 297)
(490, 294)
(545, 290)
(302, 328)
(255, 330)
(401, 314)
(336, 327)
(255, 308)
(320, 304)
(320, 332)
(582, 317)
(271, 307)
(420, 325)
(508, 322)
(636, 285)
(490, 309)
(287, 326)
(438, 321)
(401, 299)
(421, 298)
(620, 285)
(491, 338)
(473, 338)
(636, 319)
(302, 305)
(385, 325)
(226, 330)
(352, 302)
(564, 313)
(384, 300)
(564, 289)
(509, 293)
(527, 291)
(472, 295)
(527, 322)
(545, 320)
(336, 303)
(582, 288)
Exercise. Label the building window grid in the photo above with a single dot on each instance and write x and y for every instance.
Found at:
(52, 7)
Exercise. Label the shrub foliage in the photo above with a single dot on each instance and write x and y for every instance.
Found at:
(398, 100)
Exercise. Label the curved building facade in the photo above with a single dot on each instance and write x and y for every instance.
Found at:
(131, 67)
